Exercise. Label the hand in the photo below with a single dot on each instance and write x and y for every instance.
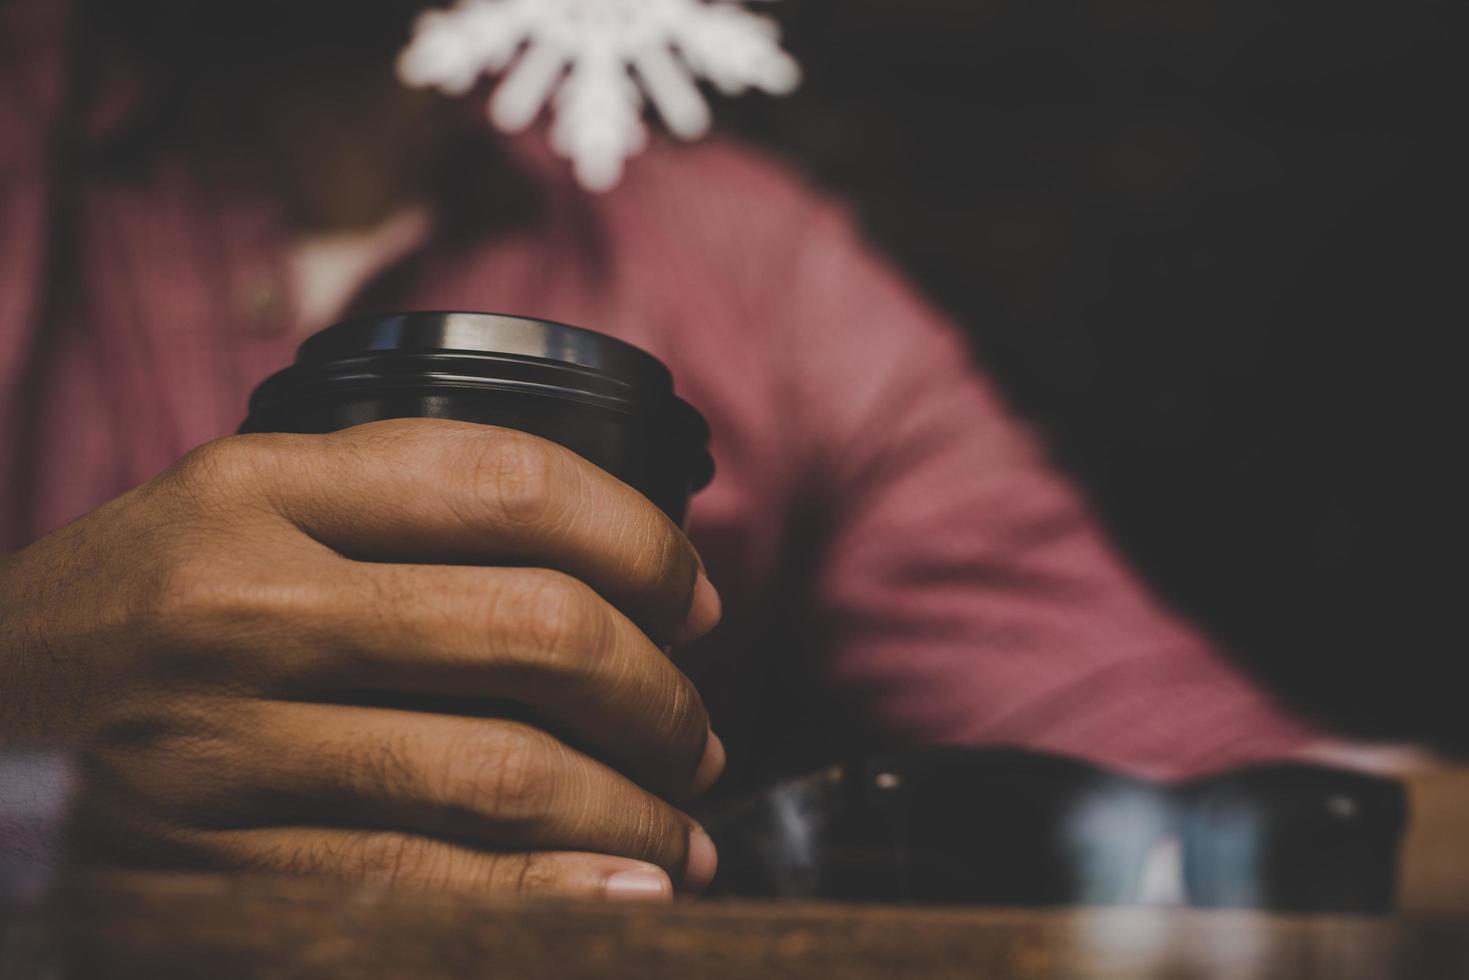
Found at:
(283, 653)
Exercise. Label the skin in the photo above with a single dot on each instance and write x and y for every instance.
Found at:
(294, 654)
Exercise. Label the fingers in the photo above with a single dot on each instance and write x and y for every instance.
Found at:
(496, 783)
(406, 859)
(319, 627)
(531, 636)
(490, 784)
(357, 855)
(434, 491)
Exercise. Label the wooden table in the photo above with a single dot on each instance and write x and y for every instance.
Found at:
(221, 928)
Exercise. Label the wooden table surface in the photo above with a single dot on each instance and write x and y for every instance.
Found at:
(221, 928)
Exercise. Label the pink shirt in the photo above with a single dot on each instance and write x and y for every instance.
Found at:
(899, 562)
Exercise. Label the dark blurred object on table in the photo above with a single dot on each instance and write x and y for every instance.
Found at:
(1006, 827)
(1000, 827)
(1293, 839)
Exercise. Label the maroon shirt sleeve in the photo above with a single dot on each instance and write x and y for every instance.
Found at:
(33, 81)
(970, 595)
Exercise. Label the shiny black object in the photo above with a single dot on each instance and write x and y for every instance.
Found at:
(604, 399)
(1009, 827)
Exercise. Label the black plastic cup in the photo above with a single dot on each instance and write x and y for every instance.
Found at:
(603, 399)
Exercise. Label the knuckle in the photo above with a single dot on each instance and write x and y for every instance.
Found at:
(397, 435)
(397, 857)
(199, 602)
(505, 773)
(222, 467)
(671, 568)
(352, 855)
(687, 725)
(191, 591)
(385, 767)
(559, 620)
(532, 873)
(654, 837)
(516, 479)
(660, 571)
(186, 597)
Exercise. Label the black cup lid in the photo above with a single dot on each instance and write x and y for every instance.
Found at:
(540, 358)
(487, 333)
(492, 350)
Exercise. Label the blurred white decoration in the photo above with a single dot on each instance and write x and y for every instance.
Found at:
(594, 59)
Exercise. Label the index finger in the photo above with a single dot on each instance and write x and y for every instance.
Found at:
(442, 492)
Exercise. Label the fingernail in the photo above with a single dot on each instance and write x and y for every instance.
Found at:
(711, 766)
(704, 610)
(703, 861)
(639, 885)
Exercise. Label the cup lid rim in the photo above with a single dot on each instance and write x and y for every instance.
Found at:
(448, 331)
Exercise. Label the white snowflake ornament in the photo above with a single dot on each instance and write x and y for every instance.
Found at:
(595, 59)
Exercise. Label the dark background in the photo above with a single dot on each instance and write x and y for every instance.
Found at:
(1211, 247)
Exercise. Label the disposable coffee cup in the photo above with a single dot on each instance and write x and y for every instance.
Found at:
(600, 397)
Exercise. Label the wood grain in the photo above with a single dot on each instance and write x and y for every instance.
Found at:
(221, 928)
